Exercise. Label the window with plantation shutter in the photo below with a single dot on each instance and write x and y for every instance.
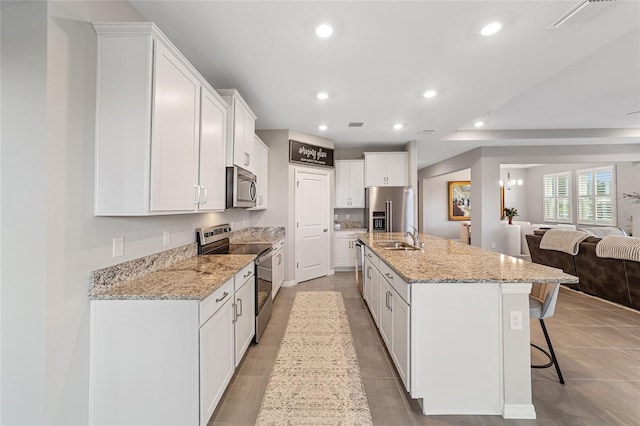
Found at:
(557, 197)
(596, 196)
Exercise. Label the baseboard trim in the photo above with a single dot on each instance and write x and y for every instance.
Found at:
(289, 283)
(519, 411)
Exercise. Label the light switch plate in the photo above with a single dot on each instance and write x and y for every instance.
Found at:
(166, 237)
(118, 246)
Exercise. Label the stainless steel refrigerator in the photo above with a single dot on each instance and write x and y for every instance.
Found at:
(389, 209)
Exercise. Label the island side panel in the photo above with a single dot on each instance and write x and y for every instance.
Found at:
(456, 347)
(516, 353)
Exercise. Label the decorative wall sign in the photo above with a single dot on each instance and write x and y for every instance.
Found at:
(305, 153)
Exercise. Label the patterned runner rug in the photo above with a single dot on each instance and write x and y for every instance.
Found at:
(316, 378)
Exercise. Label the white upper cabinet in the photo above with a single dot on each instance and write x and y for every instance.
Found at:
(157, 124)
(213, 133)
(385, 168)
(240, 141)
(261, 152)
(349, 184)
(175, 134)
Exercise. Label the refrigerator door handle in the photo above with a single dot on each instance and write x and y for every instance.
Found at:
(390, 222)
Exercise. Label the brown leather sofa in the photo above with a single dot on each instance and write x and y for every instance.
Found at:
(616, 280)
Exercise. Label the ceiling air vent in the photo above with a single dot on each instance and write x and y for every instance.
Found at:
(426, 132)
(583, 12)
(356, 124)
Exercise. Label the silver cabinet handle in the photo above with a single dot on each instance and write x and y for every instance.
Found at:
(247, 274)
(369, 272)
(204, 195)
(325, 230)
(388, 276)
(279, 258)
(240, 301)
(235, 313)
(390, 302)
(196, 194)
(224, 296)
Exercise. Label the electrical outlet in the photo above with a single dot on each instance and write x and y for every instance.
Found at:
(493, 244)
(166, 237)
(347, 216)
(118, 246)
(515, 320)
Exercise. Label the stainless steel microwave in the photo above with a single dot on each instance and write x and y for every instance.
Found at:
(241, 188)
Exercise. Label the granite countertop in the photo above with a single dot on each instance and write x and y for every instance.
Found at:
(191, 279)
(449, 261)
(270, 235)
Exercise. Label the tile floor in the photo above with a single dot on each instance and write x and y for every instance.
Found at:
(597, 344)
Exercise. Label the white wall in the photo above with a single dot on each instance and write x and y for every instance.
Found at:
(435, 205)
(485, 163)
(282, 190)
(518, 196)
(627, 180)
(51, 241)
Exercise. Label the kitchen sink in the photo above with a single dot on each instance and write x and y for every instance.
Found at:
(397, 245)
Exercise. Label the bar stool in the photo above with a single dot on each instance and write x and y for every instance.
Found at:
(542, 304)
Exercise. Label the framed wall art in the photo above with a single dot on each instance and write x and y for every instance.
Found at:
(459, 200)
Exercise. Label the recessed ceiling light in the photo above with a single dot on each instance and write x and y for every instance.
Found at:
(429, 93)
(322, 127)
(322, 96)
(324, 31)
(479, 123)
(397, 126)
(491, 28)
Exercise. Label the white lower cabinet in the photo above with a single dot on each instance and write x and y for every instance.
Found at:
(245, 312)
(168, 362)
(278, 267)
(372, 289)
(385, 293)
(217, 354)
(344, 250)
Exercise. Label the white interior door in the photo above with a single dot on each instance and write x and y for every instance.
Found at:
(312, 224)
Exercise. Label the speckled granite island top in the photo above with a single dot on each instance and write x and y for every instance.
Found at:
(449, 261)
(191, 279)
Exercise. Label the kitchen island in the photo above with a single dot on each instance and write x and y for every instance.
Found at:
(444, 312)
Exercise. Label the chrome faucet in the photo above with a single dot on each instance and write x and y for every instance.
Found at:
(413, 235)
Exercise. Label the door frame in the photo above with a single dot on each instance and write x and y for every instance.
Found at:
(328, 173)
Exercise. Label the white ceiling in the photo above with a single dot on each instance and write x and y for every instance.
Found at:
(526, 81)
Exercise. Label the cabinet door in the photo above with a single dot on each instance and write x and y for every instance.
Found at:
(400, 336)
(249, 142)
(374, 168)
(216, 359)
(375, 307)
(245, 317)
(343, 252)
(239, 123)
(396, 169)
(342, 184)
(386, 318)
(213, 121)
(356, 183)
(175, 134)
(278, 271)
(261, 153)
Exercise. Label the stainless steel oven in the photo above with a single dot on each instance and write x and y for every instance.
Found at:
(215, 240)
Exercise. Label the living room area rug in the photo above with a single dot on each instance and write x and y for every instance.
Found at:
(316, 377)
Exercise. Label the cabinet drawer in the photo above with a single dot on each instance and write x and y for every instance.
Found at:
(244, 274)
(398, 284)
(368, 254)
(211, 304)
